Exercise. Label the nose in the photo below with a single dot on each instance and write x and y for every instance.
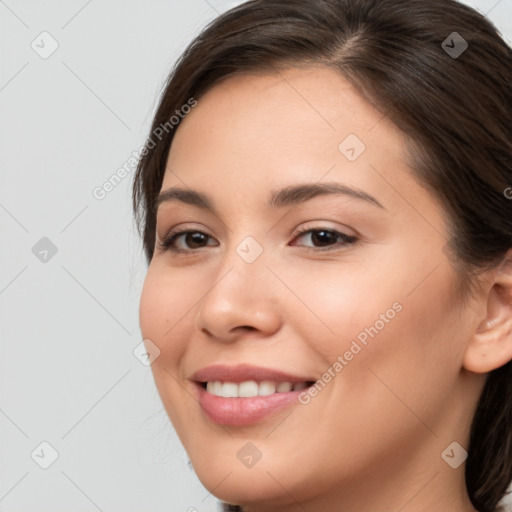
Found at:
(243, 297)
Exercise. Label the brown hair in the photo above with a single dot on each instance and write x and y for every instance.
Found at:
(456, 108)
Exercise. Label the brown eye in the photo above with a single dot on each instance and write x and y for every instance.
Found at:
(325, 238)
(193, 239)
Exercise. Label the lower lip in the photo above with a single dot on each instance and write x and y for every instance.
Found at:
(244, 411)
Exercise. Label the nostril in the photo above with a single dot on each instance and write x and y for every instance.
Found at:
(248, 327)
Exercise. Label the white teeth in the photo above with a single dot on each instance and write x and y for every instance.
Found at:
(248, 388)
(251, 388)
(267, 388)
(283, 387)
(229, 390)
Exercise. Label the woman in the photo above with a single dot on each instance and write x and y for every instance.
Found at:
(329, 240)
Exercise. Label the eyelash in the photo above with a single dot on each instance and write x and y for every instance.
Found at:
(168, 243)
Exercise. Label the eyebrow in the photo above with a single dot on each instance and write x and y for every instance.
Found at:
(287, 196)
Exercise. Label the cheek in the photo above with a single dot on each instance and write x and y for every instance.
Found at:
(163, 307)
(162, 317)
(383, 326)
(342, 303)
(151, 310)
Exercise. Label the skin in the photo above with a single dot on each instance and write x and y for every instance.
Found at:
(372, 438)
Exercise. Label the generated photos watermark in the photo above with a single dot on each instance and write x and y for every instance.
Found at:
(343, 360)
(101, 191)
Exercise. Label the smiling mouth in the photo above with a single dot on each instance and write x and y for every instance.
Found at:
(251, 388)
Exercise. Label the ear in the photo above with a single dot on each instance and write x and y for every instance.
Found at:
(491, 344)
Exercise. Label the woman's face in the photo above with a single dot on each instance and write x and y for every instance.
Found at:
(364, 301)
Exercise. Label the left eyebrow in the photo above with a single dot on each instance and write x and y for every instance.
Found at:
(280, 198)
(300, 193)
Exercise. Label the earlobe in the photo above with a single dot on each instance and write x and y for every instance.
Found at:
(491, 343)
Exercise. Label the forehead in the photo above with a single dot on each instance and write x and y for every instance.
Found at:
(294, 125)
(291, 110)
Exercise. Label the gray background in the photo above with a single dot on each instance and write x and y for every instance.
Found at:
(70, 318)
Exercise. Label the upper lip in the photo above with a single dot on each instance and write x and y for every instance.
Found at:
(245, 372)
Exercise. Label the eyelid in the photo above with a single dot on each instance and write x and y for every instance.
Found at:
(347, 240)
(309, 226)
(182, 226)
(174, 233)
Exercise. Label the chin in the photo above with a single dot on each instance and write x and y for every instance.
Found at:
(262, 484)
